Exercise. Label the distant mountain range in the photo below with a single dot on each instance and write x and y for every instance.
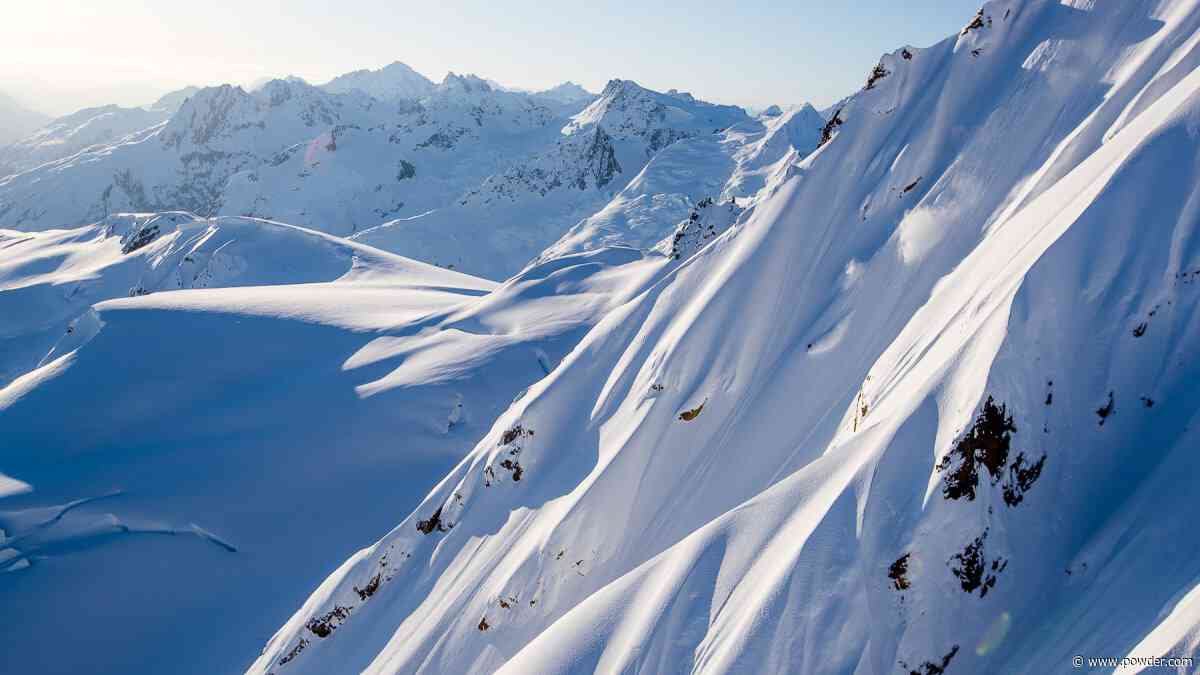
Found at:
(17, 121)
(458, 173)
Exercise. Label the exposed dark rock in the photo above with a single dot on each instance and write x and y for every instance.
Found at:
(833, 123)
(1021, 476)
(985, 446)
(434, 523)
(368, 590)
(140, 238)
(877, 74)
(1107, 409)
(898, 573)
(600, 160)
(973, 569)
(324, 626)
(406, 170)
(976, 23)
(931, 668)
(689, 415)
(513, 434)
(514, 468)
(293, 652)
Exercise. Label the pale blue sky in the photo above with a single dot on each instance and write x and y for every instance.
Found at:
(65, 54)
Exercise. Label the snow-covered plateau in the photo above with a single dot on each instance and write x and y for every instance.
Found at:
(394, 376)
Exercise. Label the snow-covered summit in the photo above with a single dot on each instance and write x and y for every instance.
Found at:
(567, 92)
(468, 83)
(628, 111)
(395, 80)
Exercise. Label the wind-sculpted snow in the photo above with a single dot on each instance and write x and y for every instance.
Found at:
(251, 401)
(756, 465)
(49, 280)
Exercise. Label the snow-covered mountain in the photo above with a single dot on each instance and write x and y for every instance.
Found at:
(514, 215)
(395, 80)
(361, 154)
(678, 186)
(929, 406)
(91, 127)
(287, 150)
(567, 92)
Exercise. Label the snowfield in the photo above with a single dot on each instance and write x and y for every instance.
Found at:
(912, 386)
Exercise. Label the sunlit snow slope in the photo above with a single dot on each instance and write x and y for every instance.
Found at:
(931, 406)
(201, 417)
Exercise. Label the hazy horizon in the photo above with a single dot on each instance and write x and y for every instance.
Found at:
(784, 55)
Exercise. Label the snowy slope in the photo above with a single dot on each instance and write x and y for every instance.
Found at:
(929, 407)
(101, 126)
(49, 280)
(185, 463)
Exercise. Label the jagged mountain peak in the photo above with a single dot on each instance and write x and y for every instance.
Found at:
(629, 111)
(171, 101)
(208, 114)
(467, 83)
(567, 92)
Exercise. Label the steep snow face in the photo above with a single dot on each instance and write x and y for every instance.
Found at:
(395, 80)
(167, 466)
(930, 406)
(669, 199)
